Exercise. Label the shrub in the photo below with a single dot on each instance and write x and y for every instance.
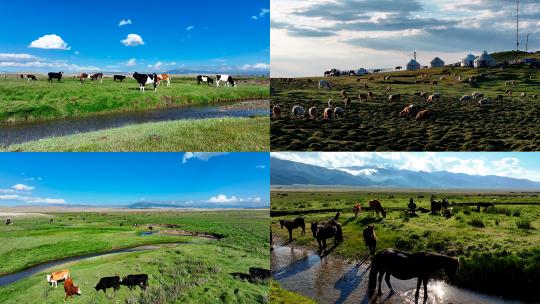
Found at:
(476, 222)
(524, 224)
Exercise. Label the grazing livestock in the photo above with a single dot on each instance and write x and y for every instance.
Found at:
(312, 112)
(119, 78)
(485, 101)
(424, 114)
(144, 79)
(276, 111)
(293, 224)
(227, 79)
(338, 112)
(108, 282)
(485, 205)
(322, 232)
(259, 274)
(465, 98)
(477, 95)
(328, 113)
(346, 102)
(323, 84)
(375, 207)
(97, 76)
(298, 111)
(394, 97)
(370, 238)
(54, 277)
(436, 206)
(343, 94)
(205, 79)
(370, 95)
(362, 97)
(9, 222)
(408, 110)
(164, 77)
(31, 78)
(83, 77)
(434, 96)
(70, 289)
(134, 280)
(523, 95)
(357, 209)
(52, 76)
(330, 105)
(412, 205)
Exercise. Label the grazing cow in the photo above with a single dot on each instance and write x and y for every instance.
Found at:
(312, 112)
(424, 114)
(108, 282)
(465, 98)
(54, 277)
(133, 280)
(164, 77)
(375, 207)
(291, 225)
(119, 78)
(338, 112)
(52, 76)
(97, 76)
(70, 289)
(83, 77)
(9, 222)
(144, 79)
(259, 274)
(370, 238)
(323, 84)
(394, 97)
(276, 111)
(227, 79)
(408, 110)
(327, 73)
(328, 113)
(206, 79)
(298, 111)
(31, 78)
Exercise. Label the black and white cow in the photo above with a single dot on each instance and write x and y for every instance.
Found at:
(97, 76)
(31, 78)
(206, 79)
(144, 79)
(225, 78)
(119, 78)
(57, 76)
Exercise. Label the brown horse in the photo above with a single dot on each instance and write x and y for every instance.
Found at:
(370, 238)
(405, 266)
(357, 209)
(376, 207)
(290, 225)
(324, 231)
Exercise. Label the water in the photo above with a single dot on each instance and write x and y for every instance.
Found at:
(333, 280)
(23, 132)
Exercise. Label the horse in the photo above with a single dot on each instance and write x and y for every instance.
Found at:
(376, 207)
(436, 206)
(324, 231)
(290, 225)
(357, 209)
(370, 238)
(485, 205)
(405, 266)
(412, 205)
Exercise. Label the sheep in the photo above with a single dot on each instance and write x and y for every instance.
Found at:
(394, 97)
(323, 84)
(347, 102)
(408, 110)
(424, 114)
(523, 95)
(276, 111)
(465, 98)
(330, 105)
(312, 112)
(433, 97)
(485, 101)
(388, 88)
(298, 111)
(338, 112)
(362, 96)
(370, 95)
(328, 113)
(533, 96)
(343, 94)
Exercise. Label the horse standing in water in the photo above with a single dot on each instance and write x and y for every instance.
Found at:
(291, 225)
(370, 238)
(324, 231)
(376, 207)
(405, 266)
(357, 209)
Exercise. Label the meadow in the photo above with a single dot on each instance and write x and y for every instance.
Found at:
(190, 270)
(375, 125)
(499, 249)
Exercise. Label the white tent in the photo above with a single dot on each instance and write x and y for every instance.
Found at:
(484, 61)
(468, 61)
(361, 71)
(413, 65)
(437, 63)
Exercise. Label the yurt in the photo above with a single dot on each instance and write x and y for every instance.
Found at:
(413, 65)
(468, 61)
(437, 63)
(484, 61)
(361, 72)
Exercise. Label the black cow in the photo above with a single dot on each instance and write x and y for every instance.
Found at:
(57, 76)
(227, 79)
(97, 76)
(119, 78)
(133, 280)
(144, 79)
(108, 282)
(205, 79)
(31, 77)
(259, 273)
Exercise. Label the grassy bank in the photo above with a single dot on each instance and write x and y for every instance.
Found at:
(187, 273)
(278, 295)
(369, 125)
(218, 134)
(499, 253)
(23, 101)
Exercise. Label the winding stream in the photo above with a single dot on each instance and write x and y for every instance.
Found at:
(332, 280)
(11, 134)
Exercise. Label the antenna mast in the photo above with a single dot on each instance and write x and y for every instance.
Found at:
(527, 44)
(517, 25)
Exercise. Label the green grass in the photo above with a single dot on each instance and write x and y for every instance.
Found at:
(21, 101)
(278, 295)
(217, 134)
(375, 125)
(504, 240)
(187, 273)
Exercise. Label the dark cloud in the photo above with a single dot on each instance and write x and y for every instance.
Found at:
(393, 23)
(301, 32)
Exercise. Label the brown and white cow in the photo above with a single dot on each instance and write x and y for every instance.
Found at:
(164, 77)
(54, 277)
(70, 289)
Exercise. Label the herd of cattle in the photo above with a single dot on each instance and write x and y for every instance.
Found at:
(142, 79)
(114, 282)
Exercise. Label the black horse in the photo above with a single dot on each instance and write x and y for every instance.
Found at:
(405, 266)
(436, 206)
(370, 238)
(290, 225)
(324, 231)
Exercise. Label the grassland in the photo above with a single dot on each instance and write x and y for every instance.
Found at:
(375, 125)
(217, 134)
(499, 250)
(198, 272)
(21, 101)
(278, 295)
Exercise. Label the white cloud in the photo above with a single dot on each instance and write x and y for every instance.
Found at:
(17, 57)
(190, 28)
(132, 40)
(131, 62)
(257, 66)
(52, 41)
(31, 199)
(222, 198)
(263, 12)
(124, 22)
(260, 167)
(77, 53)
(205, 156)
(158, 65)
(22, 187)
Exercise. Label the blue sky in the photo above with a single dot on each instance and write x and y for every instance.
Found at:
(176, 34)
(311, 36)
(194, 179)
(512, 164)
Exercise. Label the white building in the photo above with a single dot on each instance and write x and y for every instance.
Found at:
(468, 61)
(437, 63)
(484, 61)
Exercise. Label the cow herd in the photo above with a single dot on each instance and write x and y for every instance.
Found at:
(114, 282)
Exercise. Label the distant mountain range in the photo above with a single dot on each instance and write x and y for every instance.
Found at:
(288, 173)
(214, 72)
(201, 205)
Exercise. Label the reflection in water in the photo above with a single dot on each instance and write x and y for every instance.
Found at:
(332, 280)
